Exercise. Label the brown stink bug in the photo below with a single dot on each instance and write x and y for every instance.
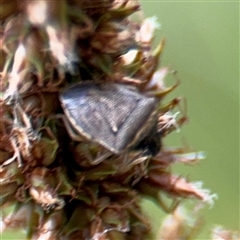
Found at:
(116, 116)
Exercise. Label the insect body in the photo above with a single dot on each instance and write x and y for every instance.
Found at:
(116, 116)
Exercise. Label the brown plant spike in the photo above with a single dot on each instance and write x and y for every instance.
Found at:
(82, 121)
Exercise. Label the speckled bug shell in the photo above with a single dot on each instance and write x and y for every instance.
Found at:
(116, 116)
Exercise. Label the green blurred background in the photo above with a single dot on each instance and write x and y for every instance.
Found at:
(202, 44)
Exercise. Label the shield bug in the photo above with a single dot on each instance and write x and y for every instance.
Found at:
(116, 116)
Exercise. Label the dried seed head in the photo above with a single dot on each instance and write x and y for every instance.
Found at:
(43, 189)
(8, 9)
(146, 32)
(220, 233)
(84, 182)
(119, 38)
(179, 225)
